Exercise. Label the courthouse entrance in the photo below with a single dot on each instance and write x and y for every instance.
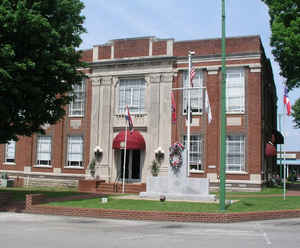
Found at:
(134, 146)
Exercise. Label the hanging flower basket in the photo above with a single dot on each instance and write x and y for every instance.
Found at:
(176, 155)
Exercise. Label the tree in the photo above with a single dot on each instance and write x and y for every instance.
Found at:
(38, 63)
(285, 26)
(296, 113)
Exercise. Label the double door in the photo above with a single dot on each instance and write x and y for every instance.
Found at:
(132, 165)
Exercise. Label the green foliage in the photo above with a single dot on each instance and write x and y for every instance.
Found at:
(38, 62)
(292, 177)
(154, 168)
(4, 175)
(296, 113)
(92, 166)
(285, 25)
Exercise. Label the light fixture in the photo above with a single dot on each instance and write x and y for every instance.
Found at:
(159, 153)
(98, 153)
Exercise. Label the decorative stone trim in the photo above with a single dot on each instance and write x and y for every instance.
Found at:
(95, 53)
(212, 70)
(255, 67)
(106, 80)
(170, 47)
(167, 77)
(155, 78)
(96, 81)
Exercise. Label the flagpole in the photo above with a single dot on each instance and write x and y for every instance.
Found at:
(284, 162)
(280, 150)
(223, 117)
(188, 113)
(124, 162)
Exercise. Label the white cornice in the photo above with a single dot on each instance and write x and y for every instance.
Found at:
(219, 59)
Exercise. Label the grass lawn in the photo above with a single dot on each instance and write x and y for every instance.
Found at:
(265, 191)
(20, 193)
(248, 202)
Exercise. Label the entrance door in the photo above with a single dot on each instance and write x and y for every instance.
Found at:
(132, 165)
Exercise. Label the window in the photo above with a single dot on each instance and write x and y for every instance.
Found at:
(235, 153)
(76, 108)
(10, 152)
(43, 153)
(196, 152)
(132, 93)
(75, 152)
(235, 91)
(196, 94)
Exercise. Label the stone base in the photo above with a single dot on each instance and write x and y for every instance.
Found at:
(179, 197)
(178, 188)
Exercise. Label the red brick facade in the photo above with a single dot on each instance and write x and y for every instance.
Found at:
(256, 123)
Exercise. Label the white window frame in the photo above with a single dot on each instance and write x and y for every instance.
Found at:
(196, 94)
(132, 94)
(43, 149)
(235, 154)
(75, 149)
(196, 153)
(10, 152)
(235, 91)
(77, 105)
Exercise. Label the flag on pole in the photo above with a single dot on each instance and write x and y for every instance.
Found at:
(173, 108)
(129, 119)
(189, 114)
(207, 107)
(286, 101)
(192, 75)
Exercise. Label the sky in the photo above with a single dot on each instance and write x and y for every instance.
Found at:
(187, 20)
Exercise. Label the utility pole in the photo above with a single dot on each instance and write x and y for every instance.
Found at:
(223, 115)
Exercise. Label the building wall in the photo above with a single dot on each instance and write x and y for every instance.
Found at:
(58, 173)
(161, 63)
(106, 122)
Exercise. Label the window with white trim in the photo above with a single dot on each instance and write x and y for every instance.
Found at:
(10, 152)
(196, 94)
(43, 152)
(75, 152)
(235, 153)
(132, 94)
(235, 90)
(76, 107)
(196, 152)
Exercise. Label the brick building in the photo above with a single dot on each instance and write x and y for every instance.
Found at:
(141, 73)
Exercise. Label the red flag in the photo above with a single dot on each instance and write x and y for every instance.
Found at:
(192, 75)
(173, 108)
(128, 118)
(286, 101)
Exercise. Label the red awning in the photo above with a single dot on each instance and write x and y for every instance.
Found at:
(135, 141)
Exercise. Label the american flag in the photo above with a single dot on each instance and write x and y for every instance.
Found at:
(192, 75)
(286, 101)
